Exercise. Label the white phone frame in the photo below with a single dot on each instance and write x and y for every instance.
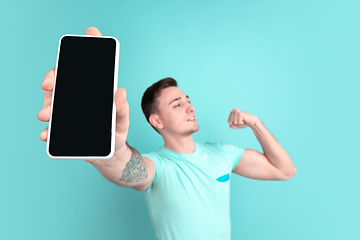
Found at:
(113, 121)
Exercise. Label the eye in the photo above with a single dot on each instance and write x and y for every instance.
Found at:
(179, 104)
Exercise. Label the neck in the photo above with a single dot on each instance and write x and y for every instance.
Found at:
(183, 145)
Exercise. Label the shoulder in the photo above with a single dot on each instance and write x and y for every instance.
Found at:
(154, 162)
(153, 165)
(153, 156)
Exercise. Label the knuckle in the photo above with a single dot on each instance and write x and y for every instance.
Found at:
(49, 73)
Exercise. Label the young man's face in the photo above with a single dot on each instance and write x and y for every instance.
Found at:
(175, 112)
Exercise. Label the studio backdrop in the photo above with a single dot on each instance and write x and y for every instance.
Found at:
(293, 64)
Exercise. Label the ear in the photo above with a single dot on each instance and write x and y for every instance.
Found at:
(155, 121)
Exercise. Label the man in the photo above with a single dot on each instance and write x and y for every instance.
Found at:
(186, 184)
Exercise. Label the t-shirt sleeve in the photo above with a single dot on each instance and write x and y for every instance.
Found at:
(232, 153)
(153, 156)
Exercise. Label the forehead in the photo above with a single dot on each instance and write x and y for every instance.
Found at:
(170, 93)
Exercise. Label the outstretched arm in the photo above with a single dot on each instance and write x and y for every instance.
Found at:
(126, 168)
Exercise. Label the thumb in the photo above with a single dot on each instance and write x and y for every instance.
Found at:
(122, 111)
(93, 31)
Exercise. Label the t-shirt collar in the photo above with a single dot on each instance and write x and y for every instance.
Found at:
(166, 150)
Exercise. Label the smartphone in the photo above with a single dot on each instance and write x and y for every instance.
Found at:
(83, 111)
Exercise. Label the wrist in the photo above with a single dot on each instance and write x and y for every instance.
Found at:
(121, 154)
(255, 124)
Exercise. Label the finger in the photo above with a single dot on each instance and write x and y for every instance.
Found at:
(47, 85)
(231, 117)
(43, 135)
(122, 111)
(48, 80)
(236, 117)
(44, 114)
(240, 119)
(93, 31)
(47, 97)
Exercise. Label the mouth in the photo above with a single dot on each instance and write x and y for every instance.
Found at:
(192, 119)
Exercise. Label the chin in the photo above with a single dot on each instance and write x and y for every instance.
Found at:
(194, 130)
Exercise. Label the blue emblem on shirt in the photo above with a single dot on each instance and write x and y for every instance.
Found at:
(224, 178)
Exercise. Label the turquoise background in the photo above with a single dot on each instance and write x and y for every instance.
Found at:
(293, 64)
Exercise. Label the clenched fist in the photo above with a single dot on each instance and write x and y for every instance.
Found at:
(240, 119)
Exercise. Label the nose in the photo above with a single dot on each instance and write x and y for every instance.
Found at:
(190, 108)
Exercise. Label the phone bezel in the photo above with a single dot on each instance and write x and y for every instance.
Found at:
(113, 120)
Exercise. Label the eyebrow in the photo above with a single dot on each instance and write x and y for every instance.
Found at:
(177, 99)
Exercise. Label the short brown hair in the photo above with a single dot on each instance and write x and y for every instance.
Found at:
(149, 102)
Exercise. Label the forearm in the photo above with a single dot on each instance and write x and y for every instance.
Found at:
(126, 167)
(272, 149)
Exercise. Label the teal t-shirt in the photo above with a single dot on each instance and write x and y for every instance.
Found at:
(189, 197)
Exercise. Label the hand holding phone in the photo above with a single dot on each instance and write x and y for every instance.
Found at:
(121, 113)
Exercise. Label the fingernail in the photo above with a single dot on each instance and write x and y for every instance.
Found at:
(45, 78)
(46, 107)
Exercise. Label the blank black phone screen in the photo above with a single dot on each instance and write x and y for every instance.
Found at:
(81, 123)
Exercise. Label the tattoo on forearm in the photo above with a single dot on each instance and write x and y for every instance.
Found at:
(135, 170)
